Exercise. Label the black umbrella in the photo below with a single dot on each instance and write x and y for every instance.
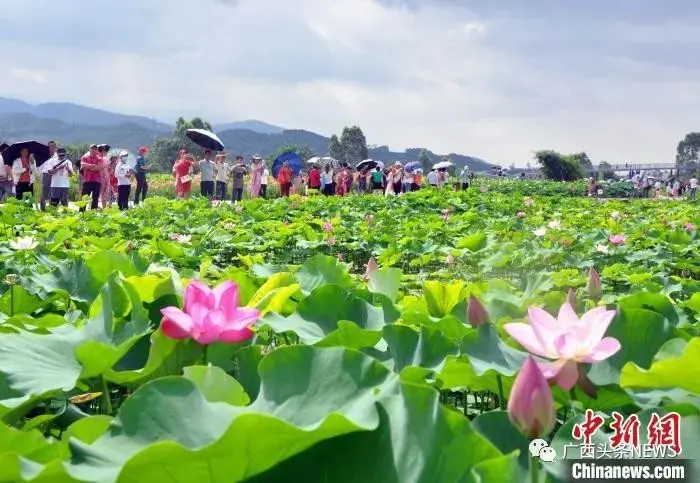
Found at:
(3, 147)
(205, 139)
(369, 164)
(40, 152)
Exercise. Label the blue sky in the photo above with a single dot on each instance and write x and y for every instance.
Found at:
(496, 79)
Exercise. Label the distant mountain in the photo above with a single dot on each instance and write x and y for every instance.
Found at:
(77, 114)
(250, 125)
(72, 124)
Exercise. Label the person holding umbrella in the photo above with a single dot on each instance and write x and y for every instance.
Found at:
(140, 172)
(206, 169)
(91, 166)
(23, 170)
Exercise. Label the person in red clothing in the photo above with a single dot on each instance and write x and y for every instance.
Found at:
(284, 178)
(91, 167)
(314, 178)
(182, 170)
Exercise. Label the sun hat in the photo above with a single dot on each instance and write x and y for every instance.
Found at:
(257, 157)
(143, 149)
(123, 154)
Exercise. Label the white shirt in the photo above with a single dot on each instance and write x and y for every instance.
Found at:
(50, 163)
(18, 169)
(121, 172)
(432, 178)
(61, 179)
(223, 171)
(265, 175)
(693, 182)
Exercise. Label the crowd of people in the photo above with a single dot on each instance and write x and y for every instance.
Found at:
(329, 179)
(105, 177)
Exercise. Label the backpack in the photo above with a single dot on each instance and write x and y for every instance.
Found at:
(377, 177)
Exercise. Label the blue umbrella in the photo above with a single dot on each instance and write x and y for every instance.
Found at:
(412, 166)
(292, 158)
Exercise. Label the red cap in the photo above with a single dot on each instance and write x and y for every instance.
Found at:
(143, 149)
(183, 151)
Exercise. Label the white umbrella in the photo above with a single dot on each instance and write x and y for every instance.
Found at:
(443, 165)
(314, 160)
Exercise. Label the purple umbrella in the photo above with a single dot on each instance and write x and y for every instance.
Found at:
(412, 166)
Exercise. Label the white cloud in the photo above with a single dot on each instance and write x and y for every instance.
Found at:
(437, 76)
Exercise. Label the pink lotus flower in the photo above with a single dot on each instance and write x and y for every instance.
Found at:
(689, 226)
(210, 315)
(529, 202)
(371, 268)
(330, 241)
(476, 312)
(446, 214)
(328, 227)
(531, 405)
(449, 259)
(369, 219)
(618, 239)
(520, 214)
(567, 340)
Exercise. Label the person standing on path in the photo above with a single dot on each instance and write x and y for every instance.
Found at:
(182, 170)
(284, 178)
(263, 181)
(206, 169)
(141, 182)
(123, 174)
(693, 187)
(238, 172)
(46, 176)
(91, 165)
(314, 178)
(23, 170)
(60, 173)
(256, 171)
(222, 171)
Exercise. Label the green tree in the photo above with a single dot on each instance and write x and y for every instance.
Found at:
(606, 171)
(76, 151)
(335, 149)
(425, 161)
(688, 154)
(354, 145)
(558, 166)
(166, 150)
(583, 160)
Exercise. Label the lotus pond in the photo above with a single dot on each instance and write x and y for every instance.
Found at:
(307, 363)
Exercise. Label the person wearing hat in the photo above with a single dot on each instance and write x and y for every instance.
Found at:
(256, 172)
(140, 173)
(60, 173)
(182, 170)
(91, 167)
(5, 175)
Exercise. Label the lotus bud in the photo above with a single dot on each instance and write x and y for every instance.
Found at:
(371, 268)
(476, 312)
(595, 289)
(531, 405)
(571, 299)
